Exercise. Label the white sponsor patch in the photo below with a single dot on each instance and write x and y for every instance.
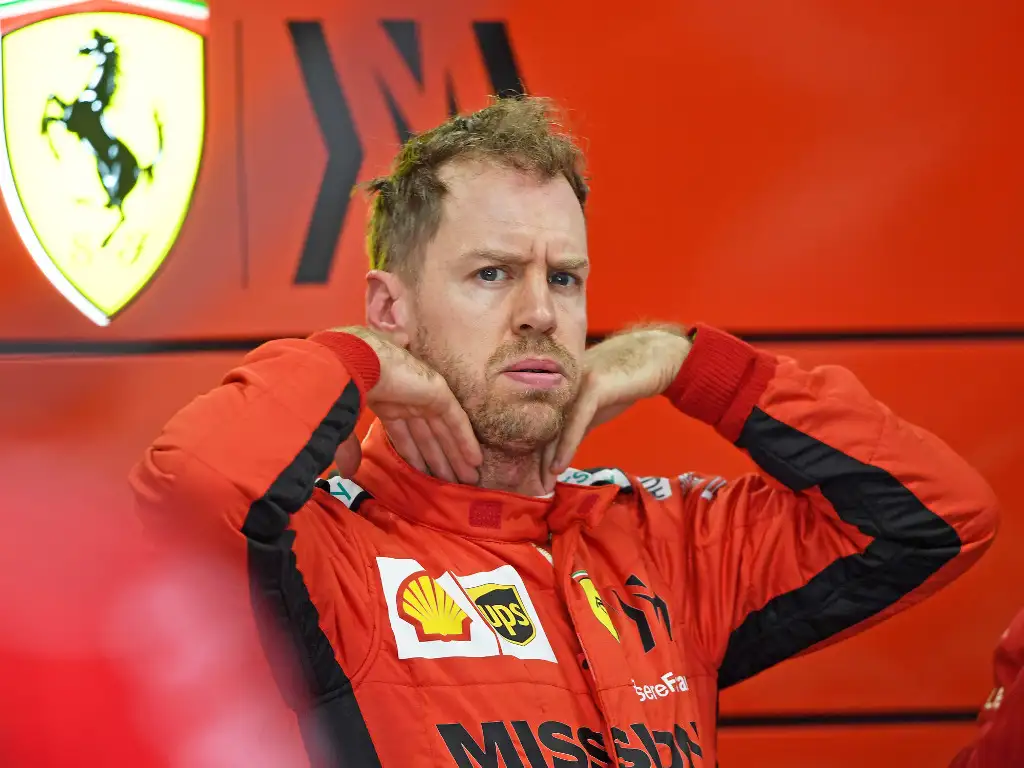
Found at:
(482, 614)
(659, 487)
(691, 480)
(579, 477)
(344, 490)
(711, 489)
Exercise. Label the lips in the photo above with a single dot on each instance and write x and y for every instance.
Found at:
(535, 373)
(534, 365)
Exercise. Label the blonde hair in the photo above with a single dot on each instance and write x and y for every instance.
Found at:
(524, 133)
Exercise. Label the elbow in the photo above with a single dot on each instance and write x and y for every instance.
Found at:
(981, 517)
(169, 482)
(157, 483)
(968, 504)
(180, 499)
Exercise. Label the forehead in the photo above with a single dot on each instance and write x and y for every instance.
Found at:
(508, 208)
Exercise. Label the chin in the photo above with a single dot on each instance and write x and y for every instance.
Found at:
(544, 421)
(518, 427)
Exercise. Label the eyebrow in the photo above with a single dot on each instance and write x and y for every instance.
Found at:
(511, 257)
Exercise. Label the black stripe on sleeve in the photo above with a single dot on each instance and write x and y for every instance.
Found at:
(910, 544)
(333, 728)
(268, 516)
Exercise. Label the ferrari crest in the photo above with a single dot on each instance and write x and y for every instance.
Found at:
(102, 121)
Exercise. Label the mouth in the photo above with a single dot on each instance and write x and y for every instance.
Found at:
(535, 373)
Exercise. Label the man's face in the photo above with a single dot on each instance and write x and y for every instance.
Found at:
(499, 308)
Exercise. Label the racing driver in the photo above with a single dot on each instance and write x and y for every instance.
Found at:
(459, 595)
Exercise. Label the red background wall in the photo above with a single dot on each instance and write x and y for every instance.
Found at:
(839, 181)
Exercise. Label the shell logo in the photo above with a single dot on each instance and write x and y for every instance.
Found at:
(431, 611)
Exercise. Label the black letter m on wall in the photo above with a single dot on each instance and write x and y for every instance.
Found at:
(334, 118)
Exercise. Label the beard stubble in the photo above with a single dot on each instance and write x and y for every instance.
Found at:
(512, 423)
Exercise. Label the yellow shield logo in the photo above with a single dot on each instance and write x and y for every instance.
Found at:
(503, 608)
(102, 120)
(596, 602)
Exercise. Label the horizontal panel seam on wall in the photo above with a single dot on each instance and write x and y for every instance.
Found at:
(128, 347)
(856, 718)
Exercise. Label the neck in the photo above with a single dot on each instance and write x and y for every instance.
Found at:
(516, 473)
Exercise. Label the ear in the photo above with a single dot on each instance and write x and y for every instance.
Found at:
(389, 306)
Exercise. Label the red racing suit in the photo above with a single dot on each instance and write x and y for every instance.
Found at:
(438, 624)
(1000, 741)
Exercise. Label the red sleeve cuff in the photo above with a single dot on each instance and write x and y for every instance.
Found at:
(721, 381)
(356, 355)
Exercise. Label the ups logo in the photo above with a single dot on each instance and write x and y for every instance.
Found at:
(501, 605)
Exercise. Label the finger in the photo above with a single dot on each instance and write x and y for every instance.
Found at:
(348, 456)
(573, 432)
(457, 422)
(464, 471)
(404, 444)
(431, 450)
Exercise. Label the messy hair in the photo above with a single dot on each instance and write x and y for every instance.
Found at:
(523, 133)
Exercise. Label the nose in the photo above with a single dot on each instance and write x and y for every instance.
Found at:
(534, 311)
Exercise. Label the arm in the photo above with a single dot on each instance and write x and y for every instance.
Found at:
(232, 467)
(236, 462)
(856, 514)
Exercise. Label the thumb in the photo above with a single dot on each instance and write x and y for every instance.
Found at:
(348, 456)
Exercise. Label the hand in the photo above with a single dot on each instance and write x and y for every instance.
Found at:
(425, 422)
(616, 373)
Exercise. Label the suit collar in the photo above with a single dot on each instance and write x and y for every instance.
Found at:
(473, 512)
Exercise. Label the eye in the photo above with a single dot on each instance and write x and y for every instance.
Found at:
(564, 279)
(492, 274)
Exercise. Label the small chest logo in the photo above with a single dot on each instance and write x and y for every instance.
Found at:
(638, 615)
(597, 604)
(433, 613)
(504, 610)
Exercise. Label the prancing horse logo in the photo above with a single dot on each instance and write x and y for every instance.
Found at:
(102, 126)
(116, 164)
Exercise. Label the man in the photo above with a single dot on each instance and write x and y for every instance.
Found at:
(1000, 739)
(450, 603)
